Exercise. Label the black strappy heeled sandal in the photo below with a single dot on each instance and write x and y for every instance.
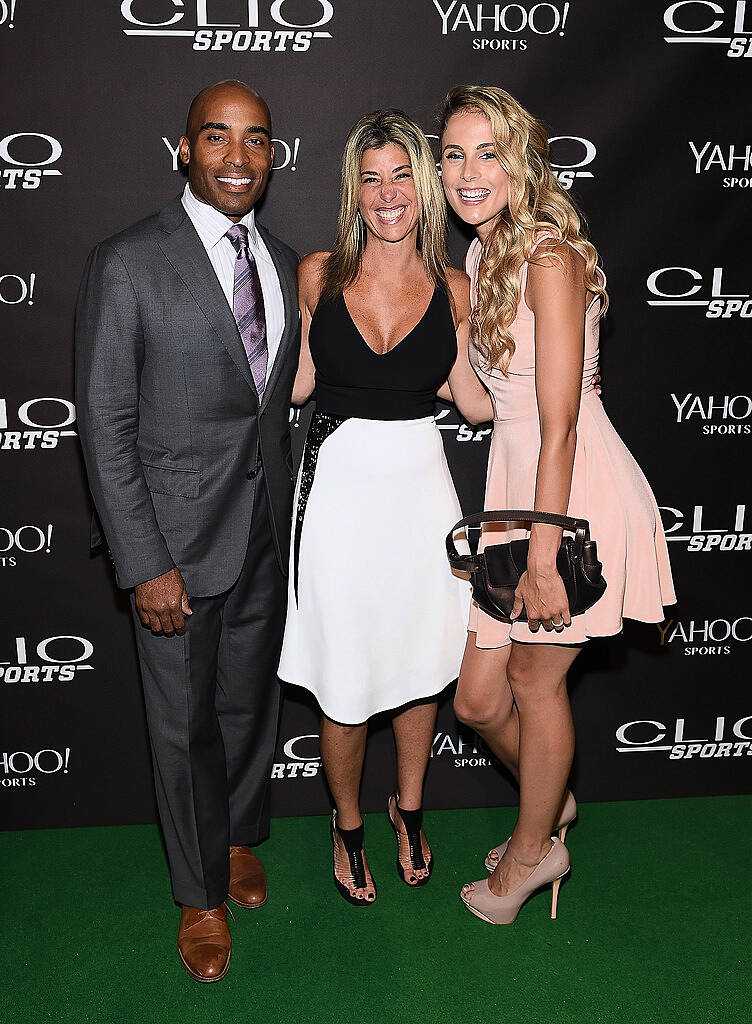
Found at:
(413, 822)
(352, 840)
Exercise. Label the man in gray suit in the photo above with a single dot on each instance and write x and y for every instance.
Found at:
(187, 340)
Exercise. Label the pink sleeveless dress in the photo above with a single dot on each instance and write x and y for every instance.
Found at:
(608, 488)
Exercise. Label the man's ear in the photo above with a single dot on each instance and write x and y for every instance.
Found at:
(184, 150)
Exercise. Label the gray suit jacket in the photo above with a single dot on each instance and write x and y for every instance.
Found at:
(170, 423)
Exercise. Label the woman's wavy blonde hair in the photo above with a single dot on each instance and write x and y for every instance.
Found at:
(374, 131)
(537, 202)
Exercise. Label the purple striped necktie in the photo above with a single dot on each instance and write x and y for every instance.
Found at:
(248, 306)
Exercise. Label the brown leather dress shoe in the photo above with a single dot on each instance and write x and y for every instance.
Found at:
(204, 942)
(247, 878)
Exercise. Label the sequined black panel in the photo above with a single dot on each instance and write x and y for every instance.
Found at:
(322, 425)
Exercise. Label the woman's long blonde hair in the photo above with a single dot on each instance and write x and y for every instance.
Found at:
(374, 131)
(537, 203)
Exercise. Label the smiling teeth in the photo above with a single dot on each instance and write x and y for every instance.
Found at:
(237, 181)
(391, 216)
(474, 193)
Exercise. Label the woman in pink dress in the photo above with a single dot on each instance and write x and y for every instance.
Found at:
(538, 296)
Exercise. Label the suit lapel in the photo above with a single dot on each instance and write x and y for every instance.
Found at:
(184, 250)
(288, 286)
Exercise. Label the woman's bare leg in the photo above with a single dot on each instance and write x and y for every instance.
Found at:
(342, 751)
(485, 703)
(537, 676)
(413, 735)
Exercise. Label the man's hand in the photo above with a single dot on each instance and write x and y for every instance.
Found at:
(162, 602)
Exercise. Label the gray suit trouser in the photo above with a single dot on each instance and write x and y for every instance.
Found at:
(212, 706)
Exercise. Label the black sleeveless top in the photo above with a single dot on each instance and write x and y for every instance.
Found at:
(354, 381)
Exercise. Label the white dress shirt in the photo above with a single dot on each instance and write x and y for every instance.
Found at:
(212, 227)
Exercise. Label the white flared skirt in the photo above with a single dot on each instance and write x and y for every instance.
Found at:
(375, 617)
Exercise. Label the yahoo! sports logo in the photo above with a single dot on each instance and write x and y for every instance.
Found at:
(722, 415)
(467, 753)
(23, 540)
(712, 157)
(17, 288)
(7, 13)
(704, 21)
(37, 423)
(684, 286)
(496, 26)
(256, 26)
(27, 158)
(16, 766)
(705, 637)
(285, 153)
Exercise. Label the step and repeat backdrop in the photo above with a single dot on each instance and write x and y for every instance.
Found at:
(643, 104)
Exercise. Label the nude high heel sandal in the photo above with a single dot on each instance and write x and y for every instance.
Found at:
(567, 816)
(480, 901)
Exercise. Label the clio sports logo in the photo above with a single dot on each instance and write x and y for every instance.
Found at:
(707, 22)
(719, 738)
(303, 759)
(253, 26)
(571, 157)
(729, 531)
(494, 26)
(685, 286)
(460, 430)
(38, 423)
(27, 158)
(55, 659)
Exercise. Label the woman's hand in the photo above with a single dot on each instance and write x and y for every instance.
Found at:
(545, 600)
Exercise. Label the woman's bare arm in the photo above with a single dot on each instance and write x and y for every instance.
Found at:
(463, 386)
(556, 294)
(309, 289)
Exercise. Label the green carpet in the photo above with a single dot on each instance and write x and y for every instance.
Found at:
(655, 925)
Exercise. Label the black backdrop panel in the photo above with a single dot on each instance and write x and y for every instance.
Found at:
(643, 104)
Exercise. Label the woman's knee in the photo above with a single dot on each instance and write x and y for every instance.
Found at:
(479, 711)
(532, 683)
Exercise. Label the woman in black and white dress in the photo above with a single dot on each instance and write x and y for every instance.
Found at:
(375, 619)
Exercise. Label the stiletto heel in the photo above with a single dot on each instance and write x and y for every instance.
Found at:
(413, 836)
(493, 909)
(357, 866)
(555, 897)
(565, 819)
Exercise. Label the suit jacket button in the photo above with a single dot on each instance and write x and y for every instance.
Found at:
(250, 474)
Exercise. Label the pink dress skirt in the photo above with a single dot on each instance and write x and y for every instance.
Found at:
(608, 489)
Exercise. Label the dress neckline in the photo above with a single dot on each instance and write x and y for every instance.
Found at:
(381, 355)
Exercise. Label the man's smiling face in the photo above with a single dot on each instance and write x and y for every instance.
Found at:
(228, 149)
